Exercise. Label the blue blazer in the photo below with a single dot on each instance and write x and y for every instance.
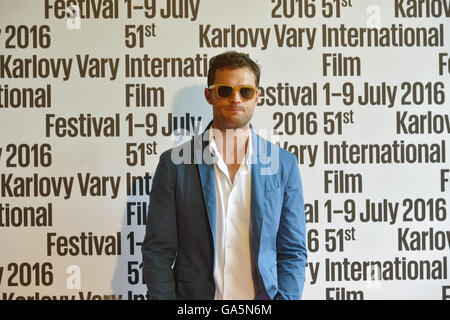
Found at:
(178, 248)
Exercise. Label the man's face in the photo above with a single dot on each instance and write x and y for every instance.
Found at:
(232, 112)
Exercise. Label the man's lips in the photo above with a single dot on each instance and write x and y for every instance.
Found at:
(234, 109)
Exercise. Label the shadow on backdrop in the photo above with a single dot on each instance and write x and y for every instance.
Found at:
(127, 281)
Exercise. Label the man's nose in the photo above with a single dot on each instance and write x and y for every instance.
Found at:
(235, 96)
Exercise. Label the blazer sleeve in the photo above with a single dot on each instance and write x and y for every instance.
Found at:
(291, 242)
(160, 243)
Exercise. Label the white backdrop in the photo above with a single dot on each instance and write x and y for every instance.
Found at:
(74, 131)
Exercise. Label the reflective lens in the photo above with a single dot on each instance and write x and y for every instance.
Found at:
(247, 92)
(226, 91)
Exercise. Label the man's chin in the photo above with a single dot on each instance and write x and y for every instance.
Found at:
(229, 124)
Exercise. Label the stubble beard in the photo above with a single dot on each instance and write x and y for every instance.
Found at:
(223, 123)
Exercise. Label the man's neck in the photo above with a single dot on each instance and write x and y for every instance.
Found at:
(231, 143)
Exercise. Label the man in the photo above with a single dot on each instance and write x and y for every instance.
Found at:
(226, 215)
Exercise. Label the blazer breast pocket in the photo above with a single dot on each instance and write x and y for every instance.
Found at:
(272, 187)
(274, 201)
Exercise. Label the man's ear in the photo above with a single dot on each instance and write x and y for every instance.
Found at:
(258, 95)
(208, 95)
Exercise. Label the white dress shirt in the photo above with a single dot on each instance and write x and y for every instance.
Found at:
(234, 267)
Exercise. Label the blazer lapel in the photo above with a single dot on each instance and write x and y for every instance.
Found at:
(258, 184)
(206, 172)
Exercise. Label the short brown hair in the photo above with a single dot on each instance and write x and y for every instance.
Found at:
(232, 60)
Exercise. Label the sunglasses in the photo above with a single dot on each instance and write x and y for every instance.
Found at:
(226, 91)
